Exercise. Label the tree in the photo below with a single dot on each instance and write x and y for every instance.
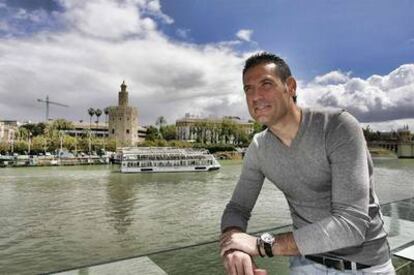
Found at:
(54, 131)
(39, 144)
(228, 130)
(106, 112)
(91, 112)
(169, 132)
(110, 145)
(241, 137)
(21, 146)
(98, 113)
(22, 134)
(152, 133)
(198, 131)
(62, 124)
(257, 127)
(4, 147)
(160, 122)
(69, 143)
(36, 129)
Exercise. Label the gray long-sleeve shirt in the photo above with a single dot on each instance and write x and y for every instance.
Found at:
(326, 177)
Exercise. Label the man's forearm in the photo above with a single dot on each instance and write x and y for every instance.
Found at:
(285, 245)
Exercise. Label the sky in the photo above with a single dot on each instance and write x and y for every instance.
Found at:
(186, 56)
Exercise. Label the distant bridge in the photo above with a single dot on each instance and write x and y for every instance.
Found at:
(401, 149)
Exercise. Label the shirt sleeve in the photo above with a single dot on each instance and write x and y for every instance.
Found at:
(238, 211)
(346, 226)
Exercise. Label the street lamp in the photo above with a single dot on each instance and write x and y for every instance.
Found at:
(45, 146)
(76, 142)
(29, 138)
(12, 143)
(89, 143)
(61, 143)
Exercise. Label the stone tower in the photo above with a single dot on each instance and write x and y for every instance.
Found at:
(123, 120)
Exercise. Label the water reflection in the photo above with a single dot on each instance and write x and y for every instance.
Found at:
(121, 197)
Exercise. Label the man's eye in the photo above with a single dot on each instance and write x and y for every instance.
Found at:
(267, 85)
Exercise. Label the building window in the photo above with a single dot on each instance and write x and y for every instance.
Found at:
(127, 131)
(120, 118)
(113, 131)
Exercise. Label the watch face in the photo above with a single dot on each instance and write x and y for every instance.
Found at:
(267, 238)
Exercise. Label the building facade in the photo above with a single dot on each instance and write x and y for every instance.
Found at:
(8, 130)
(97, 130)
(123, 121)
(212, 130)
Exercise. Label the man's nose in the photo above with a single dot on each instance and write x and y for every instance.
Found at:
(257, 94)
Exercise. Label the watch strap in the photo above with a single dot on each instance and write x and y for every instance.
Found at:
(259, 246)
(268, 249)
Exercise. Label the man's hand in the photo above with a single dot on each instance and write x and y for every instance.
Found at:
(240, 263)
(232, 240)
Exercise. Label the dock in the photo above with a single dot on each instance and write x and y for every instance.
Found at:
(38, 161)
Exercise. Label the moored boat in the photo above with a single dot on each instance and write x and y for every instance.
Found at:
(166, 159)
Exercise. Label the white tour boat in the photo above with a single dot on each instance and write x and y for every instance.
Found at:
(166, 159)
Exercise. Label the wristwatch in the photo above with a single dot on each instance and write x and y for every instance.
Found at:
(267, 240)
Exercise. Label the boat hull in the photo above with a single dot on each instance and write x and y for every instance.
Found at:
(125, 169)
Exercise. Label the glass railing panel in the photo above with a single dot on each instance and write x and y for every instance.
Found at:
(203, 258)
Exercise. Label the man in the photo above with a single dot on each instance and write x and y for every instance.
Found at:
(319, 160)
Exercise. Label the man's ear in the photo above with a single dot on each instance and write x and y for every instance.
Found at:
(291, 84)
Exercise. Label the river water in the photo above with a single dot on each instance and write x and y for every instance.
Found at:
(54, 218)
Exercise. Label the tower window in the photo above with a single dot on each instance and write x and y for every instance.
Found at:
(127, 131)
(113, 131)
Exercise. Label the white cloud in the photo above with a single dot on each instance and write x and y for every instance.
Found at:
(84, 66)
(154, 7)
(376, 98)
(244, 34)
(334, 77)
(105, 19)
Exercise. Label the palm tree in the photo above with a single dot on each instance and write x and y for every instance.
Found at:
(161, 121)
(91, 112)
(106, 112)
(98, 113)
(22, 133)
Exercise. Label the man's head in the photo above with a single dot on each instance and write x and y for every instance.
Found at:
(282, 69)
(269, 88)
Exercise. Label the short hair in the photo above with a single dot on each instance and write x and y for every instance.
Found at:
(282, 68)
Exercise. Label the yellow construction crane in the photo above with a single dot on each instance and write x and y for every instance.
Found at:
(47, 102)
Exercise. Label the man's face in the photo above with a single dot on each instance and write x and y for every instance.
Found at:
(267, 97)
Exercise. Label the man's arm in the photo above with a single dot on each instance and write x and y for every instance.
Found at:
(238, 210)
